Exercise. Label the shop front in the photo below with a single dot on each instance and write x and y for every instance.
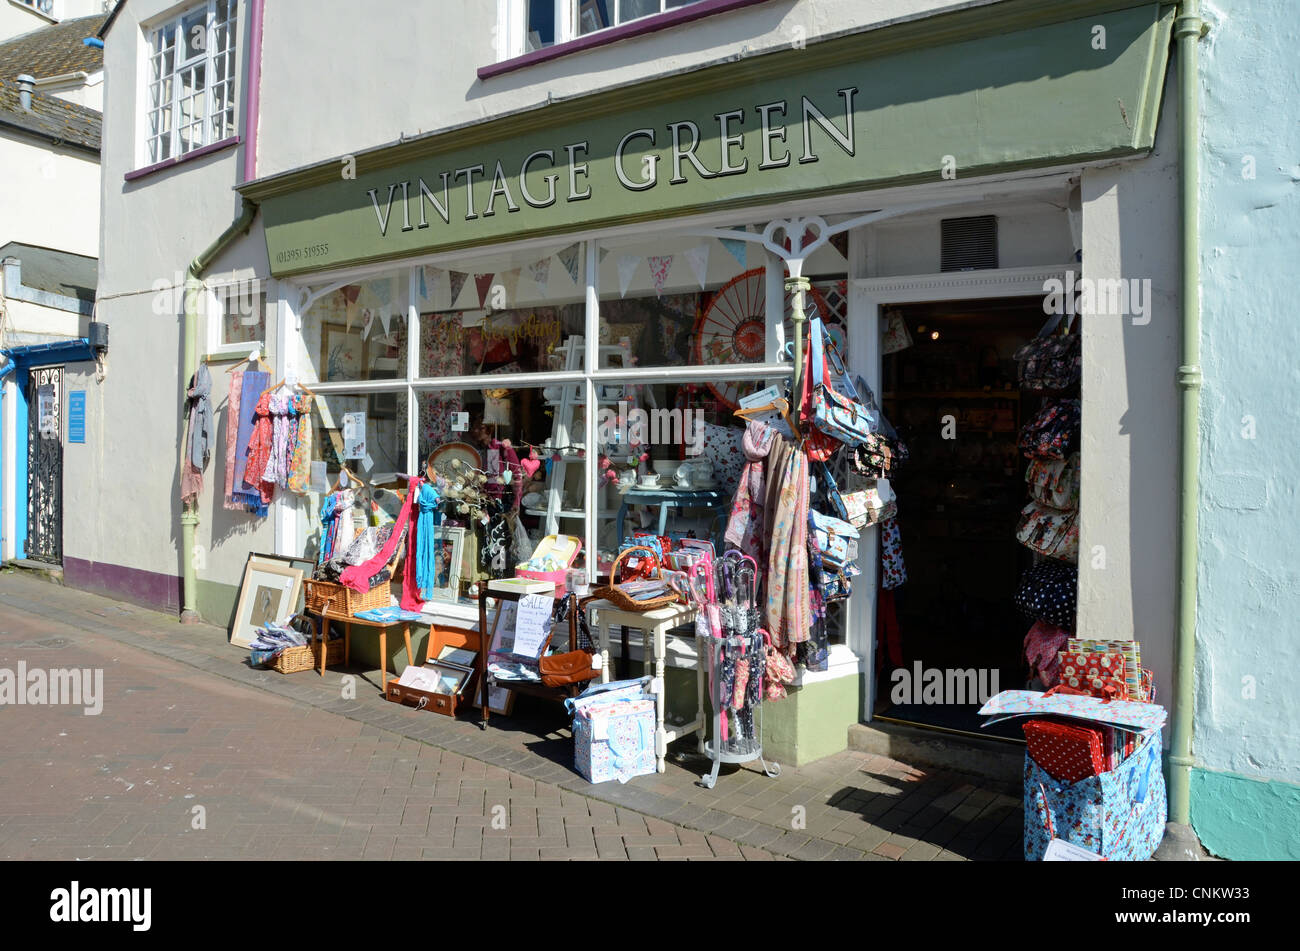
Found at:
(579, 300)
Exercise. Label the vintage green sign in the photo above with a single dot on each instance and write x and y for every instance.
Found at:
(856, 112)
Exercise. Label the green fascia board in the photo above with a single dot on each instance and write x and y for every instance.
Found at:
(994, 87)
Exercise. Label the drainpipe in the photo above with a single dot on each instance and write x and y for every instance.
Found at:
(193, 289)
(1188, 29)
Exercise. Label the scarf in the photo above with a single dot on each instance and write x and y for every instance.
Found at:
(300, 457)
(200, 411)
(788, 613)
(280, 412)
(426, 530)
(745, 526)
(259, 448)
(358, 577)
(244, 493)
(336, 524)
(232, 437)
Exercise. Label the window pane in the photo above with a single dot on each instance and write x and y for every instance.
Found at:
(541, 24)
(594, 15)
(550, 501)
(633, 9)
(356, 332)
(194, 33)
(243, 310)
(670, 4)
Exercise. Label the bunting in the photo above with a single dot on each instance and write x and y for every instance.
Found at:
(457, 282)
(698, 258)
(540, 273)
(483, 282)
(569, 258)
(627, 265)
(736, 248)
(659, 268)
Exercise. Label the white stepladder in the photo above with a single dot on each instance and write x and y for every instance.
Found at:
(737, 730)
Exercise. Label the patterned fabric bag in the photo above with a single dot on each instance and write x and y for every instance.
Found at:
(1050, 362)
(1049, 531)
(1048, 592)
(837, 414)
(1055, 482)
(893, 572)
(1054, 432)
(1120, 815)
(879, 456)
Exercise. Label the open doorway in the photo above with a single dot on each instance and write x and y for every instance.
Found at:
(953, 396)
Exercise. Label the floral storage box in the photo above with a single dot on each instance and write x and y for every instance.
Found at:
(614, 739)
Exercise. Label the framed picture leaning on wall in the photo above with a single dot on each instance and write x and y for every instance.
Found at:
(269, 595)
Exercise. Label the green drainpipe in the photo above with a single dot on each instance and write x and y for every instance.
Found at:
(1188, 29)
(193, 288)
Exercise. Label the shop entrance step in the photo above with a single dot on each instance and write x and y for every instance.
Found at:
(997, 760)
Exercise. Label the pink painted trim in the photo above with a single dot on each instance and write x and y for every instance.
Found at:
(650, 24)
(179, 160)
(253, 104)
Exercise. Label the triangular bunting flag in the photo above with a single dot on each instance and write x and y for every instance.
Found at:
(698, 258)
(424, 288)
(604, 253)
(736, 248)
(385, 319)
(540, 273)
(457, 280)
(569, 258)
(840, 242)
(433, 276)
(483, 282)
(510, 281)
(659, 268)
(369, 316)
(351, 308)
(627, 266)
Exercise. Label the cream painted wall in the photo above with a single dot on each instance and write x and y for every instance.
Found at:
(26, 317)
(1128, 541)
(390, 73)
(50, 197)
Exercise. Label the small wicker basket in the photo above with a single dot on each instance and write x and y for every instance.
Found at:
(291, 660)
(615, 595)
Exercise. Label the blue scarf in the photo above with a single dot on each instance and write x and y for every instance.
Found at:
(426, 530)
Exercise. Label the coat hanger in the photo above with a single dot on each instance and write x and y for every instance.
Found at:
(296, 386)
(254, 358)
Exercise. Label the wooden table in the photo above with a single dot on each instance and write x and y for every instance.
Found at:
(348, 620)
(654, 626)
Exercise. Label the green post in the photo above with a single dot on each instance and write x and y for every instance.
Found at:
(796, 287)
(1188, 31)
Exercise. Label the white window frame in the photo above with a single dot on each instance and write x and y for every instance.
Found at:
(207, 60)
(512, 17)
(54, 13)
(215, 310)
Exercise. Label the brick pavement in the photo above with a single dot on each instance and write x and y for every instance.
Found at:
(288, 767)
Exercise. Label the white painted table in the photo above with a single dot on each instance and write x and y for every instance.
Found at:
(654, 627)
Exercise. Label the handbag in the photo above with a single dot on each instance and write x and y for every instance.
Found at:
(778, 669)
(1054, 432)
(837, 414)
(892, 568)
(897, 337)
(836, 540)
(1050, 361)
(1055, 482)
(878, 456)
(1048, 531)
(1048, 592)
(571, 667)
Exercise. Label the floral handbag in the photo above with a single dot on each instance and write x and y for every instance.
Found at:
(1054, 432)
(837, 414)
(836, 540)
(1049, 531)
(1055, 482)
(1050, 361)
(878, 456)
(893, 571)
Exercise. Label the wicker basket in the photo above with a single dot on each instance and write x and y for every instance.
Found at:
(291, 660)
(615, 596)
(342, 600)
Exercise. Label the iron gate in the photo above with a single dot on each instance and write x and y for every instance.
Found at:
(45, 465)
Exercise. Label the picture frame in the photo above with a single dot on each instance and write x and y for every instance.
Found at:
(452, 678)
(342, 354)
(461, 656)
(449, 554)
(269, 593)
(501, 700)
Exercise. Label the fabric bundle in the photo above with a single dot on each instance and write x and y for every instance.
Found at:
(788, 612)
(198, 443)
(275, 450)
(243, 494)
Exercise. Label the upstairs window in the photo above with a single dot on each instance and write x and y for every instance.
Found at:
(191, 91)
(547, 22)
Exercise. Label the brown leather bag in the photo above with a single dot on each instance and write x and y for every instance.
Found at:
(560, 670)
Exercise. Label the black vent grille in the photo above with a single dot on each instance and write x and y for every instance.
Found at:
(969, 244)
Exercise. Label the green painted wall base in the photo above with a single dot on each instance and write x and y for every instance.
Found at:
(1238, 817)
(216, 602)
(809, 724)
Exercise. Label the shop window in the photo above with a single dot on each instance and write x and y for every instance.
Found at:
(190, 87)
(543, 23)
(357, 332)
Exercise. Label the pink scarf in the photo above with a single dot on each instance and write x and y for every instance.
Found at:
(232, 436)
(788, 611)
(358, 577)
(745, 526)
